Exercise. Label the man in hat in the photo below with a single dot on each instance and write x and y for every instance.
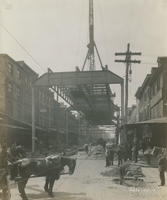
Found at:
(109, 153)
(162, 168)
(120, 155)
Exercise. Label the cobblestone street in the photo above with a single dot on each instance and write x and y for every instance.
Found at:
(87, 183)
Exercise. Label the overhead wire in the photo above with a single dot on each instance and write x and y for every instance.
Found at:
(22, 47)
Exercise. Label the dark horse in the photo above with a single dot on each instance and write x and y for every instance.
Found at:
(49, 167)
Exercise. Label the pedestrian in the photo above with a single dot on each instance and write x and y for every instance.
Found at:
(148, 155)
(143, 145)
(3, 173)
(86, 147)
(135, 153)
(107, 158)
(129, 152)
(109, 153)
(162, 165)
(120, 155)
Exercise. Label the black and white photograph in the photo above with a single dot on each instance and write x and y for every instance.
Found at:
(83, 99)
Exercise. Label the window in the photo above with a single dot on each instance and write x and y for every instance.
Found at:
(148, 93)
(9, 88)
(9, 107)
(145, 96)
(153, 90)
(158, 83)
(18, 92)
(10, 68)
(43, 98)
(18, 74)
(26, 81)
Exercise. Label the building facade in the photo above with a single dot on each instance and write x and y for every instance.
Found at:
(16, 80)
(158, 88)
(132, 114)
(151, 97)
(143, 100)
(151, 108)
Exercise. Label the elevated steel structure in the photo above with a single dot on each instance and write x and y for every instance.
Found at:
(96, 103)
(73, 87)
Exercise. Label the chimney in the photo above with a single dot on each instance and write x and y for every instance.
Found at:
(153, 70)
(162, 61)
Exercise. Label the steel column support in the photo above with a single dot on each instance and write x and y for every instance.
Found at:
(33, 119)
(78, 78)
(67, 125)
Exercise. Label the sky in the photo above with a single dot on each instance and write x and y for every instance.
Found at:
(54, 34)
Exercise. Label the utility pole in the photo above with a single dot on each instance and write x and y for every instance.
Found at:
(33, 120)
(67, 125)
(128, 62)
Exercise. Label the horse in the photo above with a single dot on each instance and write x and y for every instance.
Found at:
(48, 167)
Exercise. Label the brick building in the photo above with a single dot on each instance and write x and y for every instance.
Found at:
(143, 99)
(152, 95)
(151, 99)
(132, 114)
(158, 87)
(16, 79)
(15, 84)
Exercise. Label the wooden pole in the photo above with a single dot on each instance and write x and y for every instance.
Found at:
(33, 120)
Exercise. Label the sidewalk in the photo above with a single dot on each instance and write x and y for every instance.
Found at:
(151, 190)
(152, 181)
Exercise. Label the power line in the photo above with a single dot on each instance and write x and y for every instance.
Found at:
(128, 54)
(22, 47)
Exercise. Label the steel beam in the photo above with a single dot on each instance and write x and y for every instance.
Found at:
(87, 97)
(78, 78)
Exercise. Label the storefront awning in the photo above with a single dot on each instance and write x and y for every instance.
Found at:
(12, 126)
(162, 120)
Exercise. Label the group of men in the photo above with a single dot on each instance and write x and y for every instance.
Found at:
(111, 150)
(119, 151)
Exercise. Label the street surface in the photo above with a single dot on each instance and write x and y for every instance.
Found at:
(87, 183)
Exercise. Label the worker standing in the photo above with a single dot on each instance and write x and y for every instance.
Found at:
(162, 165)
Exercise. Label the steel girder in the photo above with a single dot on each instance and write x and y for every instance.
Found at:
(88, 90)
(78, 78)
